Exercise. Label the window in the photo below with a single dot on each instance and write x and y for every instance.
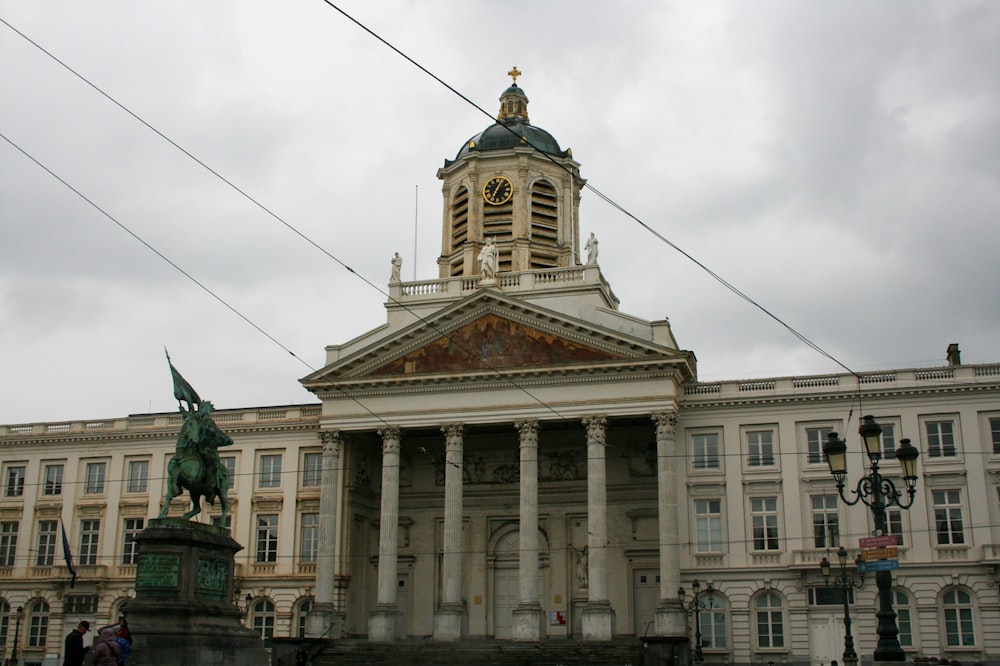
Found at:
(708, 525)
(760, 448)
(815, 438)
(90, 535)
(829, 596)
(826, 521)
(888, 440)
(82, 604)
(312, 469)
(941, 439)
(138, 476)
(764, 520)
(894, 521)
(995, 434)
(270, 471)
(309, 537)
(94, 483)
(304, 609)
(263, 618)
(713, 626)
(948, 517)
(705, 450)
(46, 543)
(229, 462)
(15, 481)
(130, 549)
(769, 621)
(903, 621)
(225, 523)
(5, 623)
(8, 542)
(53, 480)
(38, 624)
(959, 629)
(267, 538)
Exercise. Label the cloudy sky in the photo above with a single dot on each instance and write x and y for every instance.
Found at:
(839, 162)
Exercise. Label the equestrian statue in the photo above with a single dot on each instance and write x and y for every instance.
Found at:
(195, 466)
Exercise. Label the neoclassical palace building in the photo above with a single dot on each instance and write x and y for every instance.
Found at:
(512, 456)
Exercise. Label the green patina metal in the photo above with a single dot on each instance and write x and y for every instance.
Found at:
(158, 570)
(213, 580)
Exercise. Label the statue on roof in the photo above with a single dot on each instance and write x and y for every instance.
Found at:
(591, 248)
(488, 260)
(397, 268)
(195, 465)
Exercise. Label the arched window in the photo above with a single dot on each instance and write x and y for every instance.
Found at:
(262, 618)
(770, 622)
(901, 602)
(959, 627)
(304, 607)
(4, 623)
(713, 622)
(38, 623)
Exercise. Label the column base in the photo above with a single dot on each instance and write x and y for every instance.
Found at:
(598, 621)
(528, 623)
(384, 624)
(670, 619)
(448, 622)
(323, 621)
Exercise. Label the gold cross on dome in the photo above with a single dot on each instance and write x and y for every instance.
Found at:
(514, 73)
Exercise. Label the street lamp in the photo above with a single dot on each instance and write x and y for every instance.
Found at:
(17, 635)
(697, 605)
(845, 583)
(877, 493)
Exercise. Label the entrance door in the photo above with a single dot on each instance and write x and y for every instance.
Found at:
(645, 597)
(505, 599)
(403, 601)
(826, 639)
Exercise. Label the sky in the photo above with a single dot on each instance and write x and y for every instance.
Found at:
(837, 162)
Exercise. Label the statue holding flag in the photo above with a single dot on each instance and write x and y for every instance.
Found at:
(195, 466)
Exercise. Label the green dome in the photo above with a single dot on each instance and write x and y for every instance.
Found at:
(503, 136)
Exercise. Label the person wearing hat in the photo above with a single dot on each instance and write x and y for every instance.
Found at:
(74, 648)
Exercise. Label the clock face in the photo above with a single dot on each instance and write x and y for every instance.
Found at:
(498, 190)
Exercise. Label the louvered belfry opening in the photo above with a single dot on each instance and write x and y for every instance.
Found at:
(459, 229)
(544, 232)
(498, 224)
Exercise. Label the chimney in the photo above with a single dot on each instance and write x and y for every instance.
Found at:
(954, 355)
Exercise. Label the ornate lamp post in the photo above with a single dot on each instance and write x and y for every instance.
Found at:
(17, 635)
(845, 583)
(877, 493)
(697, 605)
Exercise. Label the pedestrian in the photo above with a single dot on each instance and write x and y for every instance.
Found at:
(123, 631)
(106, 652)
(124, 639)
(73, 646)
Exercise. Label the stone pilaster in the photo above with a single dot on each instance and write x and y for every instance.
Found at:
(382, 624)
(528, 622)
(670, 618)
(324, 620)
(451, 611)
(598, 616)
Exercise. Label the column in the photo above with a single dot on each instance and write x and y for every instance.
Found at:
(383, 620)
(670, 617)
(598, 616)
(528, 619)
(450, 613)
(323, 621)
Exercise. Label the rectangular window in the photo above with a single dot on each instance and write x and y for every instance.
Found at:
(312, 469)
(894, 521)
(705, 450)
(760, 448)
(130, 549)
(309, 537)
(815, 438)
(80, 604)
(708, 525)
(229, 462)
(38, 628)
(90, 535)
(270, 471)
(713, 629)
(15, 481)
(764, 520)
(8, 542)
(46, 543)
(94, 483)
(267, 538)
(53, 480)
(995, 434)
(948, 517)
(888, 440)
(941, 439)
(826, 521)
(138, 476)
(903, 621)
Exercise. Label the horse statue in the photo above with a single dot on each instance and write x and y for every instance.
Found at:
(195, 466)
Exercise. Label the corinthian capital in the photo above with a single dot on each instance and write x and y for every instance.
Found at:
(596, 429)
(666, 424)
(390, 439)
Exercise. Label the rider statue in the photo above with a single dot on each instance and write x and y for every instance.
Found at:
(195, 465)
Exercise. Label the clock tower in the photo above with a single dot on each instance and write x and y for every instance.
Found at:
(511, 184)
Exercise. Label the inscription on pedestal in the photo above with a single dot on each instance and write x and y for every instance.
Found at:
(213, 580)
(157, 574)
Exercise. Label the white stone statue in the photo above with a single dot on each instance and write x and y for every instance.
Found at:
(591, 248)
(397, 267)
(581, 567)
(488, 260)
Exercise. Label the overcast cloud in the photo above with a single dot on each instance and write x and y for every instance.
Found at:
(839, 162)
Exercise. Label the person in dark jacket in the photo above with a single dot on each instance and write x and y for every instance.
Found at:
(74, 649)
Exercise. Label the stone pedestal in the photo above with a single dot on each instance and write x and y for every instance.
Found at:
(528, 623)
(323, 621)
(384, 624)
(598, 621)
(670, 620)
(183, 613)
(448, 622)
